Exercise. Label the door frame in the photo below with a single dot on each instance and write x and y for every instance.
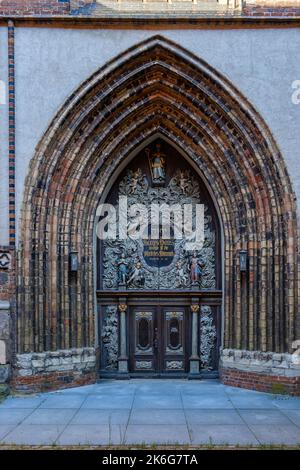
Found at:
(148, 299)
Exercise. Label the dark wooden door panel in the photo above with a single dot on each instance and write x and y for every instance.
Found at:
(173, 351)
(158, 339)
(142, 345)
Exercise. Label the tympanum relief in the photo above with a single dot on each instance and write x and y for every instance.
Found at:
(162, 262)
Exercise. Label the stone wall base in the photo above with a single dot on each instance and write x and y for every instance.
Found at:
(52, 370)
(51, 381)
(261, 371)
(260, 382)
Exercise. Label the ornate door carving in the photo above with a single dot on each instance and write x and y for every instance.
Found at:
(159, 265)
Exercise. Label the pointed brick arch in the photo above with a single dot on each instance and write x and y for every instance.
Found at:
(157, 87)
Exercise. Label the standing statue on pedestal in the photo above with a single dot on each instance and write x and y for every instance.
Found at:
(157, 166)
(195, 269)
(122, 270)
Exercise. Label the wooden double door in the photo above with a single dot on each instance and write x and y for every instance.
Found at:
(159, 339)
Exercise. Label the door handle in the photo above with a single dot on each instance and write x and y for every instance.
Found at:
(155, 340)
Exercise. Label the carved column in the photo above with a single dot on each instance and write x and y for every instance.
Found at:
(194, 358)
(123, 358)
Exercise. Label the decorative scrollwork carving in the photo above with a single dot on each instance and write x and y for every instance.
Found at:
(147, 315)
(109, 336)
(208, 335)
(174, 365)
(143, 364)
(178, 315)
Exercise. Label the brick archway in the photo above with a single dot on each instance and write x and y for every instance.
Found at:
(157, 86)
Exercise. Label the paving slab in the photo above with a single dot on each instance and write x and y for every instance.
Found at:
(110, 389)
(158, 390)
(84, 390)
(264, 417)
(204, 401)
(33, 434)
(22, 402)
(14, 415)
(252, 402)
(117, 434)
(216, 392)
(155, 416)
(158, 401)
(82, 434)
(213, 417)
(50, 416)
(287, 434)
(5, 429)
(108, 401)
(222, 434)
(287, 403)
(63, 401)
(293, 415)
(242, 391)
(157, 434)
(98, 416)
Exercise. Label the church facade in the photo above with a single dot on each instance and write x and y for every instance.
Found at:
(122, 108)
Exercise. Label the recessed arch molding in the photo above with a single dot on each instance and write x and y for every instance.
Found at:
(157, 87)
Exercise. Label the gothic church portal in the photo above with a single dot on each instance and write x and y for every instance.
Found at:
(155, 124)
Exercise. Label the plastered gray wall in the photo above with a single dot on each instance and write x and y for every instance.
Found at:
(51, 63)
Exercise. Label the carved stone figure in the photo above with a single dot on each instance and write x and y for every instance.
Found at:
(137, 278)
(185, 183)
(195, 269)
(122, 265)
(181, 278)
(134, 179)
(157, 165)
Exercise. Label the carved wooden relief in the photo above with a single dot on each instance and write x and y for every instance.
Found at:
(162, 263)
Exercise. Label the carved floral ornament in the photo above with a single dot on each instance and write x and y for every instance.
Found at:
(122, 308)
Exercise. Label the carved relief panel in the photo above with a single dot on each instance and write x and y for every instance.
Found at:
(208, 339)
(160, 259)
(110, 338)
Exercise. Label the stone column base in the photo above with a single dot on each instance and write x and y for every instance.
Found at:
(123, 368)
(261, 371)
(194, 368)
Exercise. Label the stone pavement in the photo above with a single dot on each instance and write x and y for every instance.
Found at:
(151, 412)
